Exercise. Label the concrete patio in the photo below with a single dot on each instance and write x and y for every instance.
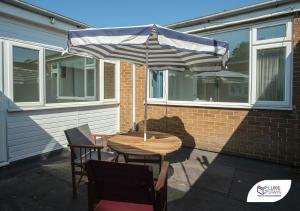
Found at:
(198, 180)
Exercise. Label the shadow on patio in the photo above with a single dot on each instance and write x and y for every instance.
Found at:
(215, 181)
(200, 180)
(203, 180)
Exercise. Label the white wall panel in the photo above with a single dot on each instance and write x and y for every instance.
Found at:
(32, 133)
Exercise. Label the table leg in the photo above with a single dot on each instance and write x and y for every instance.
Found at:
(125, 158)
(162, 158)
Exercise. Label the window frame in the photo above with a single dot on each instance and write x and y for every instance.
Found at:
(287, 85)
(288, 37)
(69, 97)
(12, 103)
(165, 88)
(117, 80)
(42, 105)
(86, 96)
(86, 67)
(253, 44)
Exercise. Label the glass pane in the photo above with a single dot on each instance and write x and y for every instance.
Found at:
(90, 61)
(156, 84)
(270, 32)
(270, 72)
(71, 78)
(90, 79)
(65, 78)
(182, 85)
(109, 81)
(25, 74)
(230, 85)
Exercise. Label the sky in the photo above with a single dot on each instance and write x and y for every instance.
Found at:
(107, 13)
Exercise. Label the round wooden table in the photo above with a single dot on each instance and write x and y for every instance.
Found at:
(157, 144)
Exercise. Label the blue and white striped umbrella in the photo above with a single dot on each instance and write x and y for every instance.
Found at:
(166, 48)
(153, 45)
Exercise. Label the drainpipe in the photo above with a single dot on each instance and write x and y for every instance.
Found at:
(133, 126)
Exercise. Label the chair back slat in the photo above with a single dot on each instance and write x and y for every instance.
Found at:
(80, 136)
(121, 181)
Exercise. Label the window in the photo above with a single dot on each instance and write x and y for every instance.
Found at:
(270, 73)
(229, 85)
(157, 84)
(258, 72)
(90, 82)
(271, 32)
(70, 78)
(39, 76)
(26, 63)
(272, 82)
(272, 65)
(182, 86)
(278, 31)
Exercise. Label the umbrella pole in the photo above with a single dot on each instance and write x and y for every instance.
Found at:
(146, 94)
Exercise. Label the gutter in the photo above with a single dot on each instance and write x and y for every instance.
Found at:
(230, 13)
(239, 22)
(47, 13)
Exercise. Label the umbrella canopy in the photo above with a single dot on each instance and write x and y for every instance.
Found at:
(166, 48)
(156, 46)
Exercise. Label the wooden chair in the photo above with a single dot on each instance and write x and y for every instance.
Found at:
(83, 147)
(123, 186)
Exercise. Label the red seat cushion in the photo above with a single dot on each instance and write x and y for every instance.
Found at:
(106, 205)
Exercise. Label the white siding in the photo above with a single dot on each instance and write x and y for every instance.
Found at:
(11, 28)
(35, 132)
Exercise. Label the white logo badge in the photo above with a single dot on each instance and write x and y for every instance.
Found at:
(269, 191)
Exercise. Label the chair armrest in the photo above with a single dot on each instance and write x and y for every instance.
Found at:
(102, 135)
(161, 181)
(95, 135)
(85, 146)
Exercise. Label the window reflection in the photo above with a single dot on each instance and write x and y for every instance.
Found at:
(70, 78)
(230, 85)
(25, 74)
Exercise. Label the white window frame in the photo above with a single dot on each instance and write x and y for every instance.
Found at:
(86, 82)
(12, 44)
(86, 67)
(288, 36)
(89, 67)
(117, 81)
(41, 105)
(254, 44)
(165, 88)
(288, 84)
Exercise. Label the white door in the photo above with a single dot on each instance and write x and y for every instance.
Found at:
(3, 147)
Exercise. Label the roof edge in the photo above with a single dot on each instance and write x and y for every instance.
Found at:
(241, 10)
(45, 12)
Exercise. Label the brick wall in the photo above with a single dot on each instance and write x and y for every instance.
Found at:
(109, 80)
(262, 134)
(125, 96)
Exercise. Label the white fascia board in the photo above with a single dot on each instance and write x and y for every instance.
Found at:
(240, 18)
(8, 10)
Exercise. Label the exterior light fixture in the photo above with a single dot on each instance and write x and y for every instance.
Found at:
(52, 20)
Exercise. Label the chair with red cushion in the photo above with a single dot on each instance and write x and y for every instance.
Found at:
(123, 186)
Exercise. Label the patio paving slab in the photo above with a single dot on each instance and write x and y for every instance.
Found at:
(198, 180)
